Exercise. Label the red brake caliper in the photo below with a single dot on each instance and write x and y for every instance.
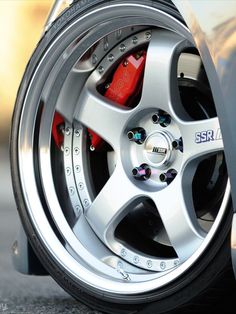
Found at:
(125, 86)
(58, 124)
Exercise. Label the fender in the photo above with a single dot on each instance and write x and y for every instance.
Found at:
(214, 32)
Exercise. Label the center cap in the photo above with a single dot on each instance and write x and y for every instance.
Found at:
(158, 148)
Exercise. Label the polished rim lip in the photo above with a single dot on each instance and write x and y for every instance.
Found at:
(47, 235)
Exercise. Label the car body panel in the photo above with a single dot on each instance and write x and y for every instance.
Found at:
(213, 25)
(24, 259)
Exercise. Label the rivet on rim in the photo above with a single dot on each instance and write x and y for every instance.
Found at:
(77, 133)
(86, 203)
(123, 252)
(101, 69)
(162, 265)
(176, 262)
(72, 190)
(136, 259)
(81, 186)
(67, 131)
(78, 208)
(111, 57)
(135, 40)
(76, 151)
(77, 168)
(149, 264)
(67, 151)
(122, 48)
(68, 171)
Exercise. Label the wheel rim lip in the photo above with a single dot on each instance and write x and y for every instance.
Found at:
(52, 243)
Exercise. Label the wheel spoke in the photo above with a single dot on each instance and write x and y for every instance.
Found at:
(70, 92)
(113, 202)
(175, 206)
(102, 116)
(201, 138)
(160, 86)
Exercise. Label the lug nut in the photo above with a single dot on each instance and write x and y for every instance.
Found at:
(169, 176)
(161, 118)
(142, 172)
(178, 144)
(137, 135)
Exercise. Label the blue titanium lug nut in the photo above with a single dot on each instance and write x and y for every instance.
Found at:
(137, 135)
(161, 118)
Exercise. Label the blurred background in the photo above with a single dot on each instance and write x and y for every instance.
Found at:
(21, 26)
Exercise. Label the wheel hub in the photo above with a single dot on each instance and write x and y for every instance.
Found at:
(158, 149)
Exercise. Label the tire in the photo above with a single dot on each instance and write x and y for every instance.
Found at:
(155, 169)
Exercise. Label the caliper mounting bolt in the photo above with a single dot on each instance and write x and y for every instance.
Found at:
(168, 176)
(137, 135)
(142, 173)
(161, 118)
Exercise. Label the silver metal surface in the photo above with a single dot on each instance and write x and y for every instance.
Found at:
(69, 170)
(160, 88)
(86, 257)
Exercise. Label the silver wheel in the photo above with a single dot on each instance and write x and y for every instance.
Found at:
(132, 189)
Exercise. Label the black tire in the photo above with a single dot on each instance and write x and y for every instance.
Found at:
(194, 284)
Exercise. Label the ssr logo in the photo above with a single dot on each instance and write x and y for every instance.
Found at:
(208, 136)
(204, 136)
